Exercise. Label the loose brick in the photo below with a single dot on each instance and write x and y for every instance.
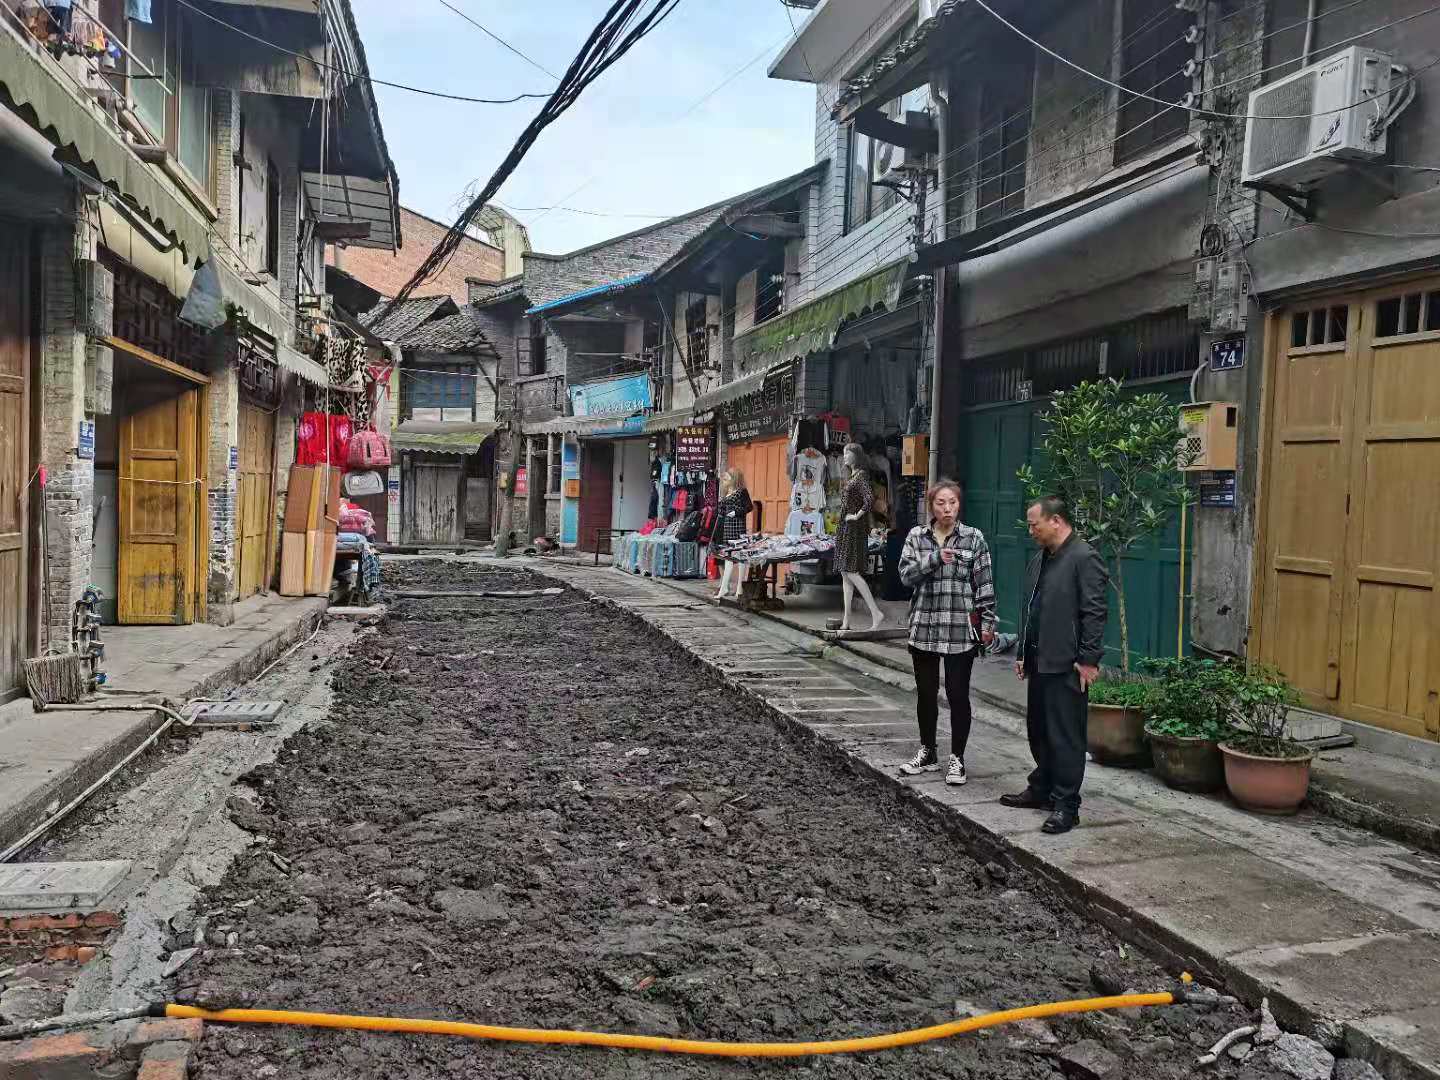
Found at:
(85, 953)
(155, 1032)
(77, 1056)
(166, 1061)
(108, 919)
(65, 953)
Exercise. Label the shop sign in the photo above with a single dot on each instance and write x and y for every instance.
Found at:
(570, 460)
(765, 412)
(624, 396)
(522, 481)
(694, 448)
(85, 442)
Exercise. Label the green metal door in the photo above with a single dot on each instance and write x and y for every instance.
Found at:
(998, 440)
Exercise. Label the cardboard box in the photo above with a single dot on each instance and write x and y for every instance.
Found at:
(302, 499)
(293, 575)
(322, 562)
(915, 455)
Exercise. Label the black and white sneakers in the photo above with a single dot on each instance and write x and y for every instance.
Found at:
(955, 773)
(924, 761)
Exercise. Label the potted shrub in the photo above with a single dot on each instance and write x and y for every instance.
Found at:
(1189, 716)
(1116, 731)
(1265, 770)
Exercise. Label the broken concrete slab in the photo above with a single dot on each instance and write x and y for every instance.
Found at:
(59, 886)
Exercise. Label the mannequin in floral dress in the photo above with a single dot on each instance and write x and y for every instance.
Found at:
(852, 537)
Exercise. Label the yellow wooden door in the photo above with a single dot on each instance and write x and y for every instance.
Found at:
(254, 508)
(158, 503)
(14, 457)
(1349, 607)
(1312, 379)
(1390, 674)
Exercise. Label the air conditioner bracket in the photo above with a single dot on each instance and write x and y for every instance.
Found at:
(1302, 202)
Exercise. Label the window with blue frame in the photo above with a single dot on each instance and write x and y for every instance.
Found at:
(445, 388)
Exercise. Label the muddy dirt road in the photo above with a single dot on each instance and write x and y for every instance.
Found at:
(536, 812)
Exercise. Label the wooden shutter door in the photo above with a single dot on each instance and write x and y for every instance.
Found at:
(158, 505)
(1391, 649)
(254, 507)
(1305, 504)
(14, 456)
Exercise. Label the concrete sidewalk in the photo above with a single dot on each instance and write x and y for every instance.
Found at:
(46, 759)
(1338, 927)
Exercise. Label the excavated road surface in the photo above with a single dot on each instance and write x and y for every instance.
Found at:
(538, 812)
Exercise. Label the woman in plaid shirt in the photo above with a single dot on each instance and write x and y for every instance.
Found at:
(947, 563)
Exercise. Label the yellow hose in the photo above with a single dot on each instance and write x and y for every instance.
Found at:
(665, 1045)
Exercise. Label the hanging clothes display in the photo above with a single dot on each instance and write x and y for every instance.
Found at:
(808, 471)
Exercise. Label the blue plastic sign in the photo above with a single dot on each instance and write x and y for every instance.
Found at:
(620, 397)
(1227, 355)
(85, 443)
(234, 458)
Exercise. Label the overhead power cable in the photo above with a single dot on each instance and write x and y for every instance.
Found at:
(611, 39)
(497, 38)
(346, 71)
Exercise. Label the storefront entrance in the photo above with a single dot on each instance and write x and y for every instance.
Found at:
(597, 482)
(255, 506)
(15, 469)
(632, 485)
(1346, 601)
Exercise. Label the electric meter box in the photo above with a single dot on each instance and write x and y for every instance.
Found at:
(1207, 436)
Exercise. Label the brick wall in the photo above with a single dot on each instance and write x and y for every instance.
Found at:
(70, 936)
(221, 495)
(70, 485)
(387, 273)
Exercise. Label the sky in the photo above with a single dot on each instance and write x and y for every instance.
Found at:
(640, 141)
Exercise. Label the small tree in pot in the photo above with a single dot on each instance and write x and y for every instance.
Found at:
(1115, 734)
(1265, 770)
(1116, 459)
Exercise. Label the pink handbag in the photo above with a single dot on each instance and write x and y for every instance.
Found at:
(369, 450)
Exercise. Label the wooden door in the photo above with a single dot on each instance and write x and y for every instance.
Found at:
(255, 509)
(1305, 518)
(1390, 647)
(597, 486)
(159, 500)
(14, 457)
(1349, 608)
(767, 477)
(435, 516)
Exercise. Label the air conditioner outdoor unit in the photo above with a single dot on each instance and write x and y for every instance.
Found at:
(1307, 125)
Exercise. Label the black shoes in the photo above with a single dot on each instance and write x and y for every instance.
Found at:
(1061, 821)
(1026, 800)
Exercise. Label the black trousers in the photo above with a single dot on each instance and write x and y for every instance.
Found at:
(1056, 718)
(957, 689)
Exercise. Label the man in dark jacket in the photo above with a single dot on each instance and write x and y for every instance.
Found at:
(1062, 640)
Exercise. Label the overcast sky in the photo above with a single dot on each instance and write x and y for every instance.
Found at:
(634, 144)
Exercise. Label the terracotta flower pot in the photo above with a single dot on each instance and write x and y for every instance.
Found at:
(1266, 785)
(1187, 764)
(1116, 736)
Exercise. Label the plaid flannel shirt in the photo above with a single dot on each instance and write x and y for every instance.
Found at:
(947, 596)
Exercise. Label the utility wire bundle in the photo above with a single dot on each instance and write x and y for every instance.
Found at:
(618, 31)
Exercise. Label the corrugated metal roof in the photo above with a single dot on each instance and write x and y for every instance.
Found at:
(441, 438)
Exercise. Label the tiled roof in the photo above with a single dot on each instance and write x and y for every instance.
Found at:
(882, 65)
(509, 289)
(458, 333)
(406, 317)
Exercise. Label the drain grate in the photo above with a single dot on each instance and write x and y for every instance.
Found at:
(236, 712)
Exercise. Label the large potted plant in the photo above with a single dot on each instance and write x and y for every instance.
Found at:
(1116, 459)
(1115, 734)
(1189, 715)
(1265, 770)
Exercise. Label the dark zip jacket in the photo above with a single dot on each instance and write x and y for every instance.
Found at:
(1073, 608)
